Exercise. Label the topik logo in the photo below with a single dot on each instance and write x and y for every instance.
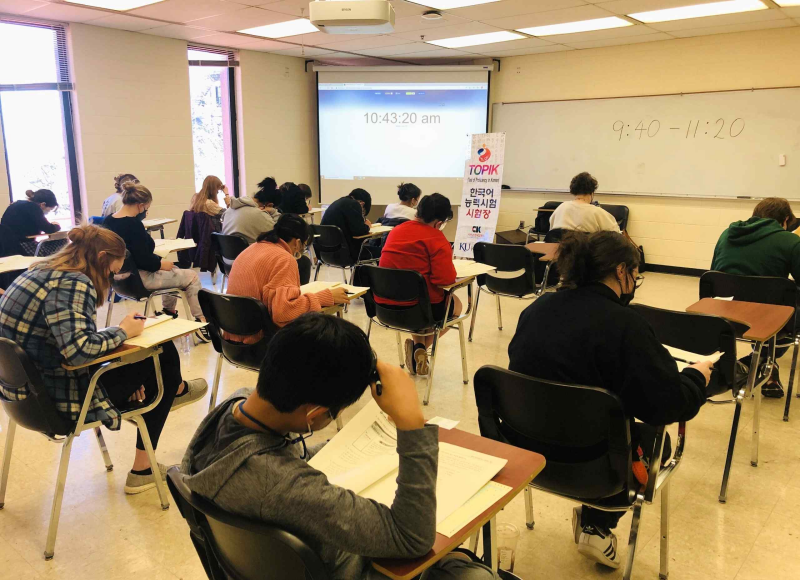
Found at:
(484, 154)
(484, 169)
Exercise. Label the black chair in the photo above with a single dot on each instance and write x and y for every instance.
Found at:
(515, 276)
(409, 286)
(585, 436)
(331, 249)
(37, 412)
(127, 284)
(547, 275)
(234, 547)
(541, 224)
(242, 316)
(766, 290)
(227, 248)
(620, 213)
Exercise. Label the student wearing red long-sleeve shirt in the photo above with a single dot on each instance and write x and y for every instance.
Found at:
(420, 245)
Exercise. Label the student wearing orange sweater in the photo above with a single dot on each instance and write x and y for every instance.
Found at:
(267, 271)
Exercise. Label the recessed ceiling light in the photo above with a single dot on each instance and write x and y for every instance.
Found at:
(450, 4)
(119, 5)
(579, 26)
(699, 10)
(476, 39)
(282, 29)
(787, 2)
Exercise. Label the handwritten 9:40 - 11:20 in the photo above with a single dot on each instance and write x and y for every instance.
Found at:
(694, 129)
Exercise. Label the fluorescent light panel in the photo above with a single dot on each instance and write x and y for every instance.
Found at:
(120, 5)
(283, 29)
(699, 11)
(579, 26)
(787, 2)
(476, 39)
(449, 4)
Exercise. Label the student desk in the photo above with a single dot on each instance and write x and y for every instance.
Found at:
(520, 470)
(157, 224)
(17, 263)
(311, 213)
(547, 250)
(165, 247)
(764, 321)
(375, 231)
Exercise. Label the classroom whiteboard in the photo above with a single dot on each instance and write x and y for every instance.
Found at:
(723, 144)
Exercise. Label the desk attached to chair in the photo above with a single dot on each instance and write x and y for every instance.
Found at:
(157, 224)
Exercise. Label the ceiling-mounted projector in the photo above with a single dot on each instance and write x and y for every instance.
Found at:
(352, 16)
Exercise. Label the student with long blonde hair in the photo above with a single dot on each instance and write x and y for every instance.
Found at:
(205, 200)
(50, 311)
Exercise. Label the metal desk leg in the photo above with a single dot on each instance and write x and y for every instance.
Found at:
(490, 543)
(161, 229)
(791, 378)
(757, 408)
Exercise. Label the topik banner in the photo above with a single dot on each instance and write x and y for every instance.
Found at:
(480, 198)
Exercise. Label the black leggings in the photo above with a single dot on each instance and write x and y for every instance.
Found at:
(609, 520)
(122, 382)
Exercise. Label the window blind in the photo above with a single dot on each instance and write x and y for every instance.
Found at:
(62, 82)
(224, 56)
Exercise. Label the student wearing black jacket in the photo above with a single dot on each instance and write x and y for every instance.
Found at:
(293, 199)
(26, 218)
(156, 273)
(349, 213)
(586, 335)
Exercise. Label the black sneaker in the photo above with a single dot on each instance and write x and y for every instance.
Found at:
(173, 313)
(772, 390)
(202, 333)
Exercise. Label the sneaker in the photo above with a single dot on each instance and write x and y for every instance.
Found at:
(411, 364)
(173, 313)
(202, 333)
(600, 546)
(138, 483)
(577, 528)
(195, 390)
(772, 390)
(421, 361)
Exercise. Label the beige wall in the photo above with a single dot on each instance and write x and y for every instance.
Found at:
(5, 197)
(277, 120)
(673, 231)
(133, 116)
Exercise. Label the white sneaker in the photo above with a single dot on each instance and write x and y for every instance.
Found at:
(600, 546)
(577, 528)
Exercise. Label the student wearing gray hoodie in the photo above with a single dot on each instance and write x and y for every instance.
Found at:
(249, 217)
(247, 458)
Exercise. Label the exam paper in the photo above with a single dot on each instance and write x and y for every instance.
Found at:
(150, 322)
(443, 423)
(486, 497)
(161, 333)
(684, 358)
(466, 268)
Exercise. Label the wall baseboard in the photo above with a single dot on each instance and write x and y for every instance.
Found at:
(678, 270)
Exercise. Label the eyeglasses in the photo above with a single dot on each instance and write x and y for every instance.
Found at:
(638, 281)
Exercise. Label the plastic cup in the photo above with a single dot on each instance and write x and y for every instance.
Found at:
(507, 537)
(186, 347)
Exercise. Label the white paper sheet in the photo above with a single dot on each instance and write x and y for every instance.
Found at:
(165, 332)
(486, 497)
(728, 298)
(443, 423)
(466, 268)
(166, 247)
(320, 285)
(157, 320)
(13, 263)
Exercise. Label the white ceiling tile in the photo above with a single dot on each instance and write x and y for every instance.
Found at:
(508, 8)
(178, 31)
(66, 13)
(742, 27)
(619, 41)
(403, 9)
(19, 6)
(241, 19)
(266, 45)
(323, 38)
(443, 52)
(633, 6)
(401, 49)
(509, 45)
(229, 40)
(366, 42)
(575, 14)
(793, 11)
(307, 52)
(125, 22)
(414, 23)
(524, 51)
(186, 10)
(624, 32)
(288, 7)
(709, 21)
(447, 31)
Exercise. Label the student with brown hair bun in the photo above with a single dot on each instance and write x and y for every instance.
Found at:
(157, 273)
(113, 203)
(27, 217)
(205, 200)
(581, 213)
(50, 311)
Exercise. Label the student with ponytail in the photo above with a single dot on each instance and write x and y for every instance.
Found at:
(26, 217)
(156, 273)
(50, 311)
(268, 271)
(584, 334)
(406, 208)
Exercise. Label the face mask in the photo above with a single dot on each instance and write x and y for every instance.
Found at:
(626, 297)
(141, 216)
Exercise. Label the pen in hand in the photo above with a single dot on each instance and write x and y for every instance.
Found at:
(139, 317)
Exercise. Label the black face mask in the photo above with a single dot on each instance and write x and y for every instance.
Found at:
(141, 216)
(625, 298)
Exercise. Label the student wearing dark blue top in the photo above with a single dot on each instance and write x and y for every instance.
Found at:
(26, 218)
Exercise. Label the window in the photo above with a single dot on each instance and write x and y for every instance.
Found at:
(213, 102)
(36, 114)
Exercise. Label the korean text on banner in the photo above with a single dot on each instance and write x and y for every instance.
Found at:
(480, 199)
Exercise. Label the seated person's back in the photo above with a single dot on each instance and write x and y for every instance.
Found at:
(348, 214)
(761, 245)
(27, 217)
(293, 199)
(249, 217)
(406, 207)
(581, 214)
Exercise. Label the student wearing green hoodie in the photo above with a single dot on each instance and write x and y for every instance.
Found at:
(762, 246)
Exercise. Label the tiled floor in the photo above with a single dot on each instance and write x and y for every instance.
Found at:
(107, 535)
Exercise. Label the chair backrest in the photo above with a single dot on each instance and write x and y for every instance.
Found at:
(128, 283)
(37, 411)
(508, 259)
(763, 289)
(330, 246)
(228, 247)
(240, 315)
(232, 546)
(406, 286)
(697, 333)
(555, 235)
(620, 213)
(542, 221)
(582, 431)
